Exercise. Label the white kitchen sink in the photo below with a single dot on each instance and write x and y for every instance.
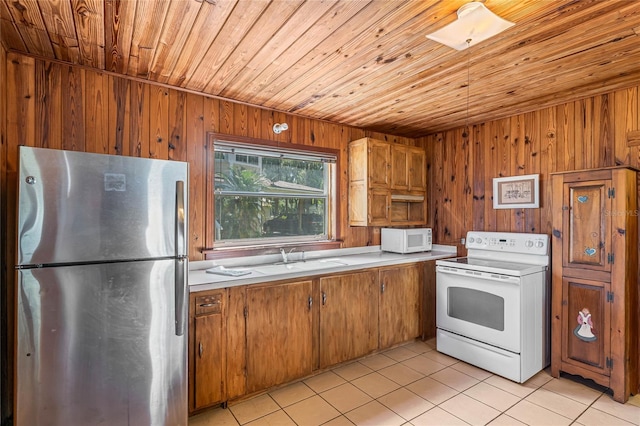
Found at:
(309, 265)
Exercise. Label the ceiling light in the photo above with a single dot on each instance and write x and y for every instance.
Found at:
(279, 128)
(475, 22)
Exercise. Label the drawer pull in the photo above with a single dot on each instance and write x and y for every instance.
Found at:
(200, 349)
(208, 305)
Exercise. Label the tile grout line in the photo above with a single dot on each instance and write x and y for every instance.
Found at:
(399, 361)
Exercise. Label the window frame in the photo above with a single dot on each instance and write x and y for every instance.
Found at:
(213, 251)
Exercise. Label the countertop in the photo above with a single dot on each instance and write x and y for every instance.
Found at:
(260, 269)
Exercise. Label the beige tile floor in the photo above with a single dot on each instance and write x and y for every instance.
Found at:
(415, 385)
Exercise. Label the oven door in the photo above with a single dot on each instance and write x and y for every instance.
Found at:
(479, 305)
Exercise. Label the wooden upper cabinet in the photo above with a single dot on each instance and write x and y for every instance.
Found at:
(279, 334)
(417, 163)
(369, 163)
(379, 163)
(387, 184)
(408, 168)
(399, 169)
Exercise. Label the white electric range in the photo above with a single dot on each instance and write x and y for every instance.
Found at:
(493, 306)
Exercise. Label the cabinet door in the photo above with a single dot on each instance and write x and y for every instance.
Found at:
(417, 173)
(585, 324)
(379, 204)
(348, 317)
(399, 170)
(208, 369)
(378, 164)
(399, 305)
(587, 240)
(279, 334)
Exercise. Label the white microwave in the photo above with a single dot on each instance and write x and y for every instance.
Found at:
(406, 240)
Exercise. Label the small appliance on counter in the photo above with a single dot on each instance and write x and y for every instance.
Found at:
(412, 240)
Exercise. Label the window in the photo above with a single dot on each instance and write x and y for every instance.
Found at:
(266, 194)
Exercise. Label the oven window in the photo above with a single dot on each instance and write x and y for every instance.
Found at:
(478, 307)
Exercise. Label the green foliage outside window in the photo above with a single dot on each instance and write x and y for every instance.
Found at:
(269, 197)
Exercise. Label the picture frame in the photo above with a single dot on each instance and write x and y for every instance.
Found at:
(516, 192)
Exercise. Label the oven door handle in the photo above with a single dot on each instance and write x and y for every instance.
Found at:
(477, 274)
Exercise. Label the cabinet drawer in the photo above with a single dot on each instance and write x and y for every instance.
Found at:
(209, 304)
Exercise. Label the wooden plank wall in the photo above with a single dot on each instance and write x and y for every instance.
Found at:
(583, 134)
(54, 105)
(68, 107)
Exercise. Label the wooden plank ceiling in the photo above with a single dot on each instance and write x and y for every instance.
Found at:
(365, 63)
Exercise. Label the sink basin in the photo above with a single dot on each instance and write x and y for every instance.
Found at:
(301, 266)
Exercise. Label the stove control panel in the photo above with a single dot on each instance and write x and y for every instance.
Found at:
(508, 242)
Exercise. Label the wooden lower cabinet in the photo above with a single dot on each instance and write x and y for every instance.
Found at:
(399, 304)
(207, 350)
(348, 317)
(279, 334)
(246, 339)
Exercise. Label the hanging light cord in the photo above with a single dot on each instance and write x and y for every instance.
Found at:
(466, 125)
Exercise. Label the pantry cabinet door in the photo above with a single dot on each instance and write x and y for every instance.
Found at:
(586, 211)
(586, 340)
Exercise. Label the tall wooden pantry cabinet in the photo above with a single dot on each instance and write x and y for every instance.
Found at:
(595, 277)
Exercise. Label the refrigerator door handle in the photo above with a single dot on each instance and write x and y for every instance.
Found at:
(180, 220)
(181, 294)
(181, 260)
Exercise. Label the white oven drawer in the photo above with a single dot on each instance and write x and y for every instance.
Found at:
(482, 306)
(498, 361)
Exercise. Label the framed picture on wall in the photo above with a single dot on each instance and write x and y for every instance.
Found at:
(516, 192)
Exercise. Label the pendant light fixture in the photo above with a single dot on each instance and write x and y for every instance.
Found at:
(474, 22)
(465, 133)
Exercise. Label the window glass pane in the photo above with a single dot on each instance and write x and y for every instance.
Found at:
(262, 195)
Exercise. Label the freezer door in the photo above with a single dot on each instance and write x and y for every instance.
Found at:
(79, 207)
(97, 346)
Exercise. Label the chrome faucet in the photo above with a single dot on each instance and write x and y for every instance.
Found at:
(285, 255)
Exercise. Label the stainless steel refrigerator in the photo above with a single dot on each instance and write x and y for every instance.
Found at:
(101, 290)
